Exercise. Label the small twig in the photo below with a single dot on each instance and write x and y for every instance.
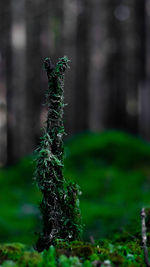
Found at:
(144, 237)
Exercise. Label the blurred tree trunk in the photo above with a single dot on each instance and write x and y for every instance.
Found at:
(127, 69)
(5, 74)
(82, 66)
(70, 15)
(101, 63)
(44, 39)
(144, 88)
(51, 24)
(56, 22)
(116, 114)
(132, 69)
(116, 64)
(45, 27)
(16, 91)
(15, 62)
(3, 112)
(34, 94)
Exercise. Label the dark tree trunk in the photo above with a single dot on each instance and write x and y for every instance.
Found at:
(5, 53)
(13, 55)
(17, 94)
(70, 16)
(144, 88)
(127, 64)
(116, 114)
(82, 67)
(34, 94)
(101, 64)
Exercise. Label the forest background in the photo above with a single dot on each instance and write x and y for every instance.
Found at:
(106, 88)
(108, 84)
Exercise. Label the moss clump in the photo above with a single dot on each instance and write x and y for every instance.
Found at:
(29, 258)
(116, 258)
(82, 249)
(11, 251)
(60, 204)
(76, 248)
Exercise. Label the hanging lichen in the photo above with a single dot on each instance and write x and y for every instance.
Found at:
(60, 203)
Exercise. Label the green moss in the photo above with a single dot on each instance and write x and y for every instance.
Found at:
(116, 258)
(135, 247)
(60, 243)
(75, 248)
(31, 259)
(122, 254)
(11, 251)
(84, 251)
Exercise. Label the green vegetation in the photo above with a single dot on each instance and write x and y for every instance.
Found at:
(113, 170)
(74, 254)
(19, 197)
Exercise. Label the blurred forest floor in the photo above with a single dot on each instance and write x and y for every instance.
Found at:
(113, 171)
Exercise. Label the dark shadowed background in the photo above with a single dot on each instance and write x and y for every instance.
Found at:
(108, 84)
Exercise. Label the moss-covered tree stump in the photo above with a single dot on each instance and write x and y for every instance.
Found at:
(60, 203)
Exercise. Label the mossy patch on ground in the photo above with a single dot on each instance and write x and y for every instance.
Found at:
(102, 253)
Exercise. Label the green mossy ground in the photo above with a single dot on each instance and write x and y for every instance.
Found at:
(102, 253)
(113, 171)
